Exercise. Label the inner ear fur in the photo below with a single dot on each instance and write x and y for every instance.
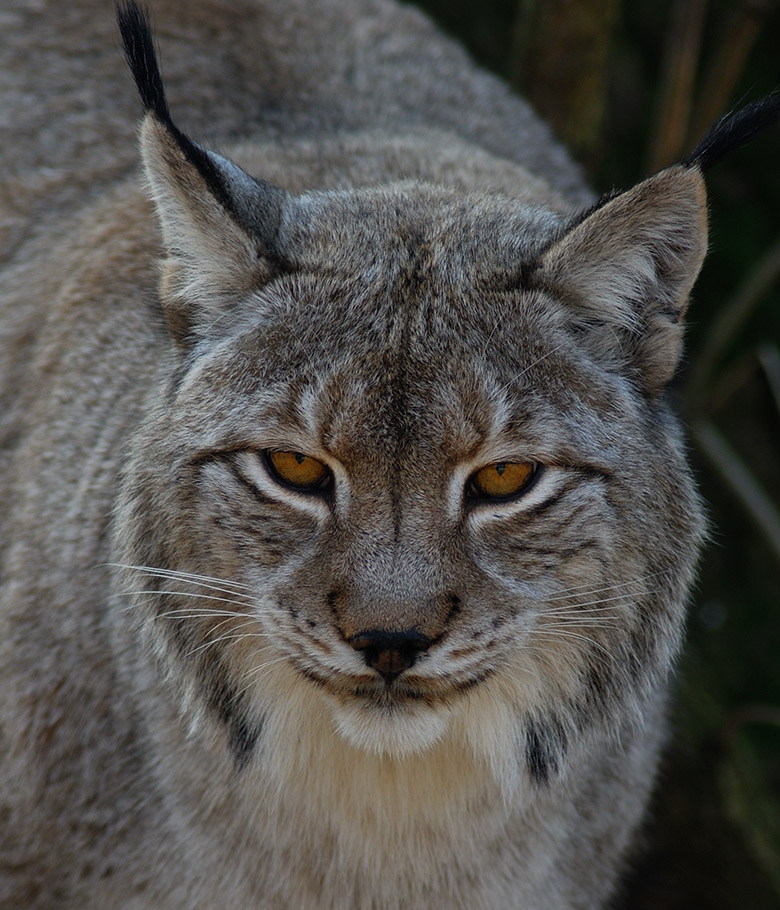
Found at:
(219, 227)
(625, 272)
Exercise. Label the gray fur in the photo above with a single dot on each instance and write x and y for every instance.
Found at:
(184, 722)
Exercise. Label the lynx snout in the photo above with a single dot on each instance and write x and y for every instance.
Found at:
(390, 653)
(391, 631)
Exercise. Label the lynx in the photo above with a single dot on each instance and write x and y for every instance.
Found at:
(346, 527)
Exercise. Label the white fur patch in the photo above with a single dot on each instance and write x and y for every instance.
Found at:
(395, 731)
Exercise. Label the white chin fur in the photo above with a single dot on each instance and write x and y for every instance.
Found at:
(396, 731)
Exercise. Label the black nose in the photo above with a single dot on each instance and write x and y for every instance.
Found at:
(390, 653)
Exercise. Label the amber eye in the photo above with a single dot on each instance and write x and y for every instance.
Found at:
(503, 479)
(298, 470)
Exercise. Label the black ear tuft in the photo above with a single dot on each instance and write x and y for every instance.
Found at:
(734, 130)
(142, 58)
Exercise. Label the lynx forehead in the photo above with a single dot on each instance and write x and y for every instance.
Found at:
(346, 528)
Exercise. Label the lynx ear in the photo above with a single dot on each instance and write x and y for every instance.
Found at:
(220, 226)
(626, 270)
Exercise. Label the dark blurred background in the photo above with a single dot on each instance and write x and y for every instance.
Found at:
(630, 86)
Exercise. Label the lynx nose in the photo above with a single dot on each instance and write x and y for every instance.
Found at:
(390, 653)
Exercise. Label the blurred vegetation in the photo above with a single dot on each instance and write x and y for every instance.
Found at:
(630, 87)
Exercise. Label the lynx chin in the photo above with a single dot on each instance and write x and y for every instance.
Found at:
(346, 530)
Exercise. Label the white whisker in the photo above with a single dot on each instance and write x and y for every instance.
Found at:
(207, 581)
(588, 610)
(190, 594)
(255, 672)
(578, 636)
(589, 591)
(233, 635)
(193, 613)
(564, 622)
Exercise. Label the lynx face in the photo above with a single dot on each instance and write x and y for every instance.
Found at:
(406, 472)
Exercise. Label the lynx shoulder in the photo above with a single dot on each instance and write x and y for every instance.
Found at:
(346, 529)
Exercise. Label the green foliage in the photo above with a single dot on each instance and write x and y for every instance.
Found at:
(670, 67)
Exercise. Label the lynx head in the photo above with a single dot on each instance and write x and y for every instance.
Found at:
(410, 462)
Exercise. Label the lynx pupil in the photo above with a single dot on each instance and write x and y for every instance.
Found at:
(503, 479)
(297, 470)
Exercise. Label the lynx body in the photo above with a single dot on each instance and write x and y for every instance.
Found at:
(346, 531)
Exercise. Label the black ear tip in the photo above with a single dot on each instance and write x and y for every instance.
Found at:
(138, 43)
(735, 130)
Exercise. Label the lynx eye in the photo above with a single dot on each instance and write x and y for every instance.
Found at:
(503, 479)
(297, 470)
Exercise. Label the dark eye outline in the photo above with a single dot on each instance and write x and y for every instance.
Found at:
(321, 487)
(475, 495)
